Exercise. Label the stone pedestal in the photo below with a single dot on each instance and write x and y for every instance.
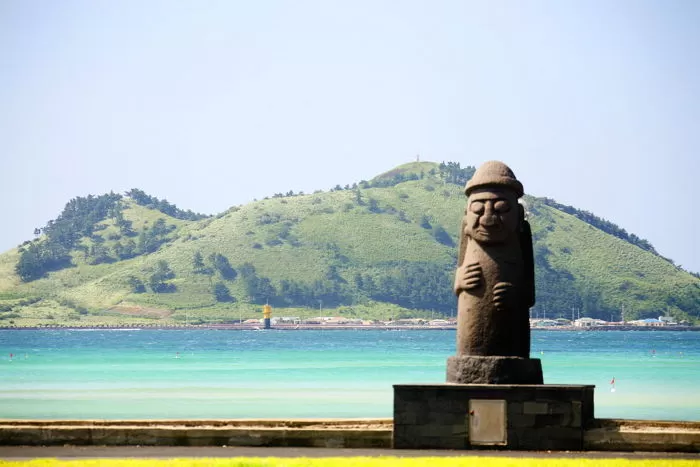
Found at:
(468, 369)
(491, 416)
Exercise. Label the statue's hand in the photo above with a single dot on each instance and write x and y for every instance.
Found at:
(468, 277)
(503, 295)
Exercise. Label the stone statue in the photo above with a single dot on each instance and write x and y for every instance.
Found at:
(494, 283)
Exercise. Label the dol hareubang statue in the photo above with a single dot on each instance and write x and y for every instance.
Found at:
(494, 283)
(495, 275)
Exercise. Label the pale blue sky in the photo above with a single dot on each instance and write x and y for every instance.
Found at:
(212, 104)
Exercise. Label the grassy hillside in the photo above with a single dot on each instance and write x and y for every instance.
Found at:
(611, 275)
(379, 249)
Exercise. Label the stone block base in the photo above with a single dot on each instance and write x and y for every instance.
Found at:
(467, 369)
(471, 416)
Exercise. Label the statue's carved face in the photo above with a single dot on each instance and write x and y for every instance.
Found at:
(491, 215)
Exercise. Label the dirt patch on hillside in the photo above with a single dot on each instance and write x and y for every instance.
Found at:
(142, 311)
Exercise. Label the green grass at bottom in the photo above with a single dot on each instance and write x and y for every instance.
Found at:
(358, 462)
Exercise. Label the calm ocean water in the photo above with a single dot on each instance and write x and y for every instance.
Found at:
(198, 374)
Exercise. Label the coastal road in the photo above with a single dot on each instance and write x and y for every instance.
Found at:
(17, 453)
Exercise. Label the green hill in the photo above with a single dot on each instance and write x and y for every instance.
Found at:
(379, 248)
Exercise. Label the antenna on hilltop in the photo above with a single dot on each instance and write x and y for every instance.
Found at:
(417, 157)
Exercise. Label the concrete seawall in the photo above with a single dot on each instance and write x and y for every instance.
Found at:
(642, 435)
(361, 433)
(602, 435)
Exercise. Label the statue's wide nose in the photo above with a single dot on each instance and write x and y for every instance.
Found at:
(489, 218)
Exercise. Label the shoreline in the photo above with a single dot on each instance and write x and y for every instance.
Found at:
(330, 327)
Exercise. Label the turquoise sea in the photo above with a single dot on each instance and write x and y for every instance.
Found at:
(206, 374)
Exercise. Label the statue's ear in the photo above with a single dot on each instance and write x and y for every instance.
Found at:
(521, 216)
(463, 239)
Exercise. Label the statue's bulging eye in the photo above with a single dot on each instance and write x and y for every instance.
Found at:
(501, 206)
(477, 207)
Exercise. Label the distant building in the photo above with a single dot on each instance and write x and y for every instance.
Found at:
(543, 323)
(289, 320)
(312, 321)
(588, 322)
(438, 322)
(648, 322)
(409, 322)
(336, 320)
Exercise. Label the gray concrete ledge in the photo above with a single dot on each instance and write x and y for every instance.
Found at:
(361, 433)
(605, 435)
(642, 435)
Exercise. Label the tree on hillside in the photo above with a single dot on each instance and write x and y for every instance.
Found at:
(358, 281)
(358, 197)
(151, 239)
(79, 218)
(128, 250)
(369, 285)
(39, 257)
(250, 279)
(425, 222)
(159, 278)
(452, 172)
(441, 235)
(333, 275)
(125, 226)
(135, 284)
(118, 249)
(259, 289)
(143, 199)
(414, 285)
(265, 292)
(221, 264)
(390, 179)
(222, 293)
(374, 206)
(99, 254)
(144, 244)
(293, 293)
(198, 265)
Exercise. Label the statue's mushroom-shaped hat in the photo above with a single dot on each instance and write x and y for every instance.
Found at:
(494, 174)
